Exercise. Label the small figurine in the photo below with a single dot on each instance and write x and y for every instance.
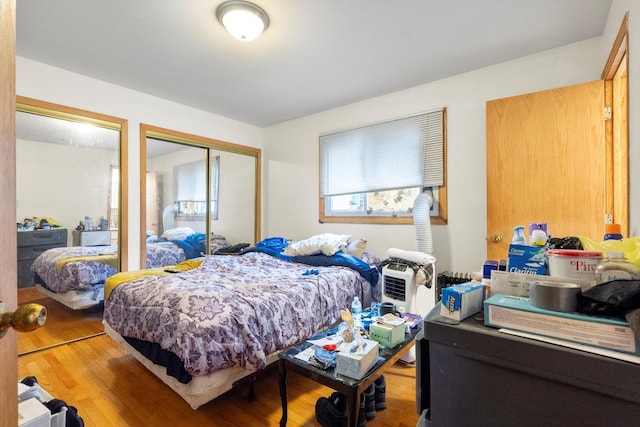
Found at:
(347, 335)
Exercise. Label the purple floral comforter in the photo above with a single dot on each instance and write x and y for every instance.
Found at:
(233, 310)
(84, 274)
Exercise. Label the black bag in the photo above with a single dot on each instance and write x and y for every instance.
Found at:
(614, 299)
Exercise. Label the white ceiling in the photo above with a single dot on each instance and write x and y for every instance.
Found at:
(315, 55)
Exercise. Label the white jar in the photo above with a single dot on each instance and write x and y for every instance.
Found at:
(616, 267)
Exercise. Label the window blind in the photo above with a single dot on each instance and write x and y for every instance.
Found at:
(190, 181)
(400, 153)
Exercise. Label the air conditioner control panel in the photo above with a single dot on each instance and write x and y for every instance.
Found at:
(397, 266)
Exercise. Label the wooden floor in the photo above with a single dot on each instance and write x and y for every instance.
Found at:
(62, 325)
(112, 389)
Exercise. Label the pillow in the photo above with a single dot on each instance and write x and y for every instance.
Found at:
(356, 248)
(326, 244)
(179, 233)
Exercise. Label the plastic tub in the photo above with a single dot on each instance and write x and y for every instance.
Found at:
(573, 263)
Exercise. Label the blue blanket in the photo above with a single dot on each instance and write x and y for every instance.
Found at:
(275, 245)
(193, 246)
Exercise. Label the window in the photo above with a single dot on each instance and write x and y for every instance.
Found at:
(373, 174)
(190, 181)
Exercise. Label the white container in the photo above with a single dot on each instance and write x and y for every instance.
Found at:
(573, 263)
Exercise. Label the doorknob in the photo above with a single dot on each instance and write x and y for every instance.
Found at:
(496, 238)
(26, 318)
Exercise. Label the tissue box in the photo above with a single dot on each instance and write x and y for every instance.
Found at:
(526, 259)
(462, 300)
(388, 334)
(356, 365)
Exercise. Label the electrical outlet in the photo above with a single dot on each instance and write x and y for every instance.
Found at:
(608, 218)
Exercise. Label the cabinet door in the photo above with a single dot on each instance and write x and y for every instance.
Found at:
(545, 163)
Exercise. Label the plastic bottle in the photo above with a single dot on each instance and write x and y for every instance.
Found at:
(518, 236)
(615, 267)
(612, 232)
(356, 312)
(537, 234)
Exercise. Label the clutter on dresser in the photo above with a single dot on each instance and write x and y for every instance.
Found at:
(574, 291)
(90, 225)
(38, 223)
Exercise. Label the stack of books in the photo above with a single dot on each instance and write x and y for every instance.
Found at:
(591, 333)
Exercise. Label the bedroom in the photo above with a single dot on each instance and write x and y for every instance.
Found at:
(289, 146)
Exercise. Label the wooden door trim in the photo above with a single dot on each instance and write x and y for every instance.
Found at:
(618, 50)
(8, 237)
(615, 75)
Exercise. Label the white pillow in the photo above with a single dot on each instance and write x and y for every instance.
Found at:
(356, 248)
(179, 233)
(327, 244)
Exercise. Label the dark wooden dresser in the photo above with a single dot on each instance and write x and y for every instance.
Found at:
(33, 243)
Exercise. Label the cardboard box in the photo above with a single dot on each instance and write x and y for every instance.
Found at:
(518, 314)
(356, 365)
(462, 300)
(388, 330)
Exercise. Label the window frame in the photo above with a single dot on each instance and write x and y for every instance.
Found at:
(440, 197)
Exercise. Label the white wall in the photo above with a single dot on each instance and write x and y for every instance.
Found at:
(40, 81)
(292, 151)
(47, 182)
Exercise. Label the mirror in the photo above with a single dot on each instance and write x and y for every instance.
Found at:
(68, 174)
(179, 171)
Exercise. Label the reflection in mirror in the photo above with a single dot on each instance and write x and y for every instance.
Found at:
(67, 216)
(179, 171)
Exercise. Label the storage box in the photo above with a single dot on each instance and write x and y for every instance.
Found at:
(462, 300)
(526, 259)
(356, 365)
(32, 413)
(388, 330)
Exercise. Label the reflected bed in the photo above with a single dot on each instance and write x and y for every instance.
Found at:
(75, 275)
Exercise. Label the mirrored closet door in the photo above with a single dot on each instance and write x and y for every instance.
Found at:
(206, 185)
(69, 166)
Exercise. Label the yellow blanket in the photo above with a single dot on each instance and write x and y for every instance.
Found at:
(119, 278)
(111, 259)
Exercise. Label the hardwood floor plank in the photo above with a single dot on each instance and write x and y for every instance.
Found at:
(110, 388)
(63, 324)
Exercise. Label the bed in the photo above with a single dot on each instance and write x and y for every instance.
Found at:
(226, 317)
(75, 275)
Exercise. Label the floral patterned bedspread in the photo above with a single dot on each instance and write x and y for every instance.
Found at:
(233, 310)
(84, 274)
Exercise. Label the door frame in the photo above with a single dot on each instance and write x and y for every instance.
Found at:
(615, 76)
(8, 236)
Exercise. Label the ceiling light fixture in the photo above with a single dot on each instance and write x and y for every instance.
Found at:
(243, 20)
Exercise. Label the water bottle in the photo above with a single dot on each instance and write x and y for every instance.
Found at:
(356, 312)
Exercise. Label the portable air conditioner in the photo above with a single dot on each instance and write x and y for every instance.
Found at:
(399, 287)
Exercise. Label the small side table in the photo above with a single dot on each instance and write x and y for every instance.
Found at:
(350, 387)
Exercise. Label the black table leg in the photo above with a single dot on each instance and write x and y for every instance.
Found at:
(283, 392)
(353, 409)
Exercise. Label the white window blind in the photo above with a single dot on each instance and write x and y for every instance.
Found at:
(401, 153)
(190, 181)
